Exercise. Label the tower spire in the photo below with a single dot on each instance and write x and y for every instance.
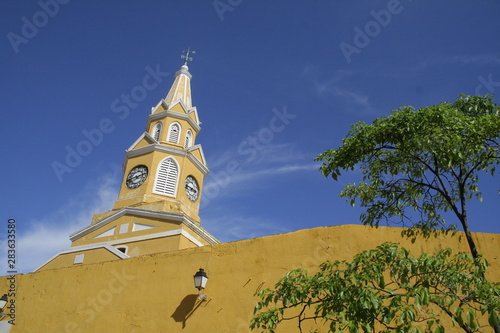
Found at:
(181, 89)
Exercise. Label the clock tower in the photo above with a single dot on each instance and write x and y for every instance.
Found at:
(158, 203)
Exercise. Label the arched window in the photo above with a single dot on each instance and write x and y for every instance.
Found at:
(189, 139)
(173, 133)
(157, 131)
(167, 177)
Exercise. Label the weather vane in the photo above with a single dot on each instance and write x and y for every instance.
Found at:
(186, 55)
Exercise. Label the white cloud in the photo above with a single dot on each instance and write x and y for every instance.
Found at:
(257, 155)
(252, 170)
(478, 60)
(47, 236)
(250, 177)
(353, 97)
(333, 86)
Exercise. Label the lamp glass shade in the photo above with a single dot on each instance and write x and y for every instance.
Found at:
(3, 301)
(200, 279)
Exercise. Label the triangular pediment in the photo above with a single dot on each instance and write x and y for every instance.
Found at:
(132, 222)
(179, 106)
(197, 152)
(82, 250)
(144, 140)
(193, 113)
(161, 106)
(129, 216)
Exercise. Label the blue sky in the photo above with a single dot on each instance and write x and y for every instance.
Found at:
(315, 66)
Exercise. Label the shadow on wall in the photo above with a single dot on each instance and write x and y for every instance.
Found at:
(187, 307)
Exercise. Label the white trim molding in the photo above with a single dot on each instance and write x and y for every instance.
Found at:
(161, 102)
(106, 246)
(143, 135)
(201, 165)
(181, 218)
(174, 114)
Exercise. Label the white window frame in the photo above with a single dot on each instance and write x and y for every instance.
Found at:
(175, 181)
(188, 142)
(169, 137)
(157, 129)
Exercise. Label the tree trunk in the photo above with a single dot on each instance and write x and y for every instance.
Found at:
(474, 252)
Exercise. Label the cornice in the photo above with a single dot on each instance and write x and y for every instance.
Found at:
(150, 214)
(127, 210)
(200, 231)
(174, 114)
(108, 247)
(173, 151)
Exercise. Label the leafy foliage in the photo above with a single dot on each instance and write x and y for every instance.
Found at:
(419, 163)
(385, 288)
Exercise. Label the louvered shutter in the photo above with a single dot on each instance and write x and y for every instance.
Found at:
(157, 131)
(189, 135)
(166, 178)
(173, 136)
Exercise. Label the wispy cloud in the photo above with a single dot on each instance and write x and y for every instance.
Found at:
(354, 97)
(256, 155)
(333, 86)
(240, 181)
(47, 236)
(481, 59)
(476, 60)
(252, 170)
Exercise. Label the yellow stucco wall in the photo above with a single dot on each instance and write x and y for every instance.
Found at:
(155, 293)
(154, 245)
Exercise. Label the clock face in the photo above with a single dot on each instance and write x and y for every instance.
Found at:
(191, 188)
(137, 176)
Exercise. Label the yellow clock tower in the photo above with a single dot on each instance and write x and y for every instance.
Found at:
(158, 204)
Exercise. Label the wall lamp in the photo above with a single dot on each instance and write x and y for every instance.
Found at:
(200, 281)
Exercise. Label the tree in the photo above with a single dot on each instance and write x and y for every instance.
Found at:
(385, 289)
(418, 166)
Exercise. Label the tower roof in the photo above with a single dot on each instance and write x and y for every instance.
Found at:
(181, 89)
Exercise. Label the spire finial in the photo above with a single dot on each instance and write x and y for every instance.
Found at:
(186, 56)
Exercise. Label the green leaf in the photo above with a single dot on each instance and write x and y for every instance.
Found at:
(409, 162)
